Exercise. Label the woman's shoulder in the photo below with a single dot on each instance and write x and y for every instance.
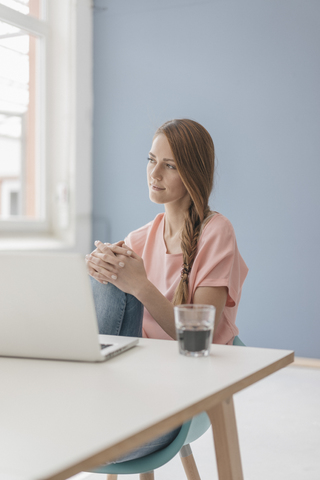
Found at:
(144, 230)
(217, 235)
(216, 224)
(137, 238)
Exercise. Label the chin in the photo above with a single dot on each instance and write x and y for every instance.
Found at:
(154, 200)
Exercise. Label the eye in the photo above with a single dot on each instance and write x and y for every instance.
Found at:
(171, 166)
(151, 160)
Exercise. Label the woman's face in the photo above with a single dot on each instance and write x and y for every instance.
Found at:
(165, 184)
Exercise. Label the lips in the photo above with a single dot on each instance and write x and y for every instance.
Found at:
(154, 187)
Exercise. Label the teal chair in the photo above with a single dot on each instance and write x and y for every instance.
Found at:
(145, 466)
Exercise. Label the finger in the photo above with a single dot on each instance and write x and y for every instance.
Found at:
(123, 250)
(119, 244)
(88, 265)
(108, 273)
(109, 255)
(97, 264)
(103, 247)
(132, 254)
(104, 260)
(94, 274)
(89, 257)
(115, 248)
(99, 278)
(93, 251)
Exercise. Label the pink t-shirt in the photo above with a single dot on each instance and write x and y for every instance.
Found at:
(217, 263)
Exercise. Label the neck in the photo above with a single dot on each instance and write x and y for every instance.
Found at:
(173, 224)
(174, 219)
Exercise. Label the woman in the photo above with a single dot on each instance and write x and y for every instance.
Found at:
(188, 254)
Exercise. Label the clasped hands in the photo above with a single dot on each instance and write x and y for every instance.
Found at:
(116, 264)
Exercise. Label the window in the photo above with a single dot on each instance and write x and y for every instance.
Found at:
(45, 122)
(22, 102)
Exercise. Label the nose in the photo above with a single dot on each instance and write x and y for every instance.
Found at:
(155, 172)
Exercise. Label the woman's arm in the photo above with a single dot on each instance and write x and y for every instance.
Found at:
(159, 307)
(131, 277)
(162, 310)
(216, 296)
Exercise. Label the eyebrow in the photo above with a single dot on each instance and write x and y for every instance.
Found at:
(164, 159)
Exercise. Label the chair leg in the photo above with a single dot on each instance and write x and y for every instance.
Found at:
(147, 475)
(112, 476)
(188, 463)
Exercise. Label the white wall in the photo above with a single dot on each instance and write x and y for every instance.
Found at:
(249, 71)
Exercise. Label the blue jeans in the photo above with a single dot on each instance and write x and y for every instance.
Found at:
(119, 313)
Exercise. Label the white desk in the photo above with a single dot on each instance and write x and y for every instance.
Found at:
(59, 418)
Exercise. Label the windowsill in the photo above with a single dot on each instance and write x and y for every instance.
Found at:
(75, 239)
(34, 243)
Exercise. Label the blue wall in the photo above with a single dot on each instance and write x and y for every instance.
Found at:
(249, 71)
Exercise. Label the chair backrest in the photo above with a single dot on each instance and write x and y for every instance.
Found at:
(238, 342)
(199, 425)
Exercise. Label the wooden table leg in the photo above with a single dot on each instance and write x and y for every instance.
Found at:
(226, 442)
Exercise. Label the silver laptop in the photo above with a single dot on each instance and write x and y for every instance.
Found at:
(47, 310)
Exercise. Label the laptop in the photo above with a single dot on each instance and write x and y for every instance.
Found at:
(47, 310)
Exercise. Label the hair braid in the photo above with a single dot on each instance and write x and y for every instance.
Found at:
(189, 243)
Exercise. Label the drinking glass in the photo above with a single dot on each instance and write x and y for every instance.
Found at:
(194, 326)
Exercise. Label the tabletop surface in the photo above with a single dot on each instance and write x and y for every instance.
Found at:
(55, 414)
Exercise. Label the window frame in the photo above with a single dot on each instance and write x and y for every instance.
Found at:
(67, 73)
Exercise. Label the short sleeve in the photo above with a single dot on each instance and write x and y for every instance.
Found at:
(136, 240)
(218, 262)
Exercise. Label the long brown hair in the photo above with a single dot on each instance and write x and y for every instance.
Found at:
(193, 151)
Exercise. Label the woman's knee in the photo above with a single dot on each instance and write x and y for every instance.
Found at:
(117, 313)
(102, 292)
